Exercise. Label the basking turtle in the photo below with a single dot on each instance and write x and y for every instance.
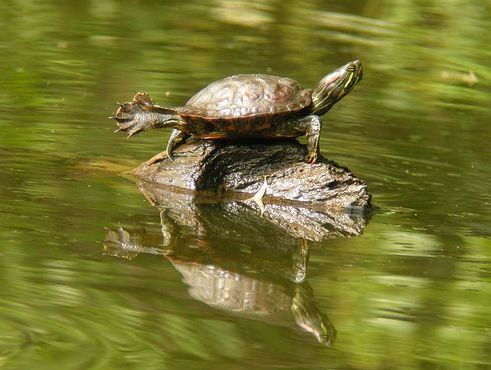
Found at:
(245, 106)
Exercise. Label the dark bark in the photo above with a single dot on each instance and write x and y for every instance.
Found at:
(240, 167)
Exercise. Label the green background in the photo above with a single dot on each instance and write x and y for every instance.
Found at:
(412, 292)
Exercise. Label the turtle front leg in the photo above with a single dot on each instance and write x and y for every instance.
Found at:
(311, 125)
(177, 138)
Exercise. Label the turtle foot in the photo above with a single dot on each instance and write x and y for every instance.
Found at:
(142, 114)
(132, 117)
(131, 126)
(312, 158)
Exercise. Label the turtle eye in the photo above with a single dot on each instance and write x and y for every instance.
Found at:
(351, 68)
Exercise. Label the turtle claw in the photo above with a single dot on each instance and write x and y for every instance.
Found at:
(311, 158)
(133, 129)
(128, 122)
(130, 127)
(170, 156)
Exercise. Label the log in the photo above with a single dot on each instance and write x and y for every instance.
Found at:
(240, 168)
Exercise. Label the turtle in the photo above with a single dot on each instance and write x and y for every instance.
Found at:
(244, 106)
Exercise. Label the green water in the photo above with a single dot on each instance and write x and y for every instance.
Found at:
(412, 292)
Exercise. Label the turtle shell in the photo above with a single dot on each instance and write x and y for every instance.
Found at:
(247, 103)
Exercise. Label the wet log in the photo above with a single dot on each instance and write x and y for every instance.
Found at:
(240, 167)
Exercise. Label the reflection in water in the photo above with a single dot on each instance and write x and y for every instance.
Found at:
(235, 259)
(413, 294)
(230, 282)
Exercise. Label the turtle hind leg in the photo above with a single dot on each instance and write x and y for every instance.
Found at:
(177, 138)
(141, 115)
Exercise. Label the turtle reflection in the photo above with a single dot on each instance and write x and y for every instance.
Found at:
(246, 293)
(236, 259)
(237, 282)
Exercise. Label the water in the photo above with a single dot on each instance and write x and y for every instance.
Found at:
(411, 292)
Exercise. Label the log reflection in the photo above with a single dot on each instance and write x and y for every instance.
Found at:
(236, 259)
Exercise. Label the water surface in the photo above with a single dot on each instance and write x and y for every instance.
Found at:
(411, 292)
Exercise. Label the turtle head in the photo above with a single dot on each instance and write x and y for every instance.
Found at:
(335, 85)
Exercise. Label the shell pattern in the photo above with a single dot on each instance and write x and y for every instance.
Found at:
(242, 96)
